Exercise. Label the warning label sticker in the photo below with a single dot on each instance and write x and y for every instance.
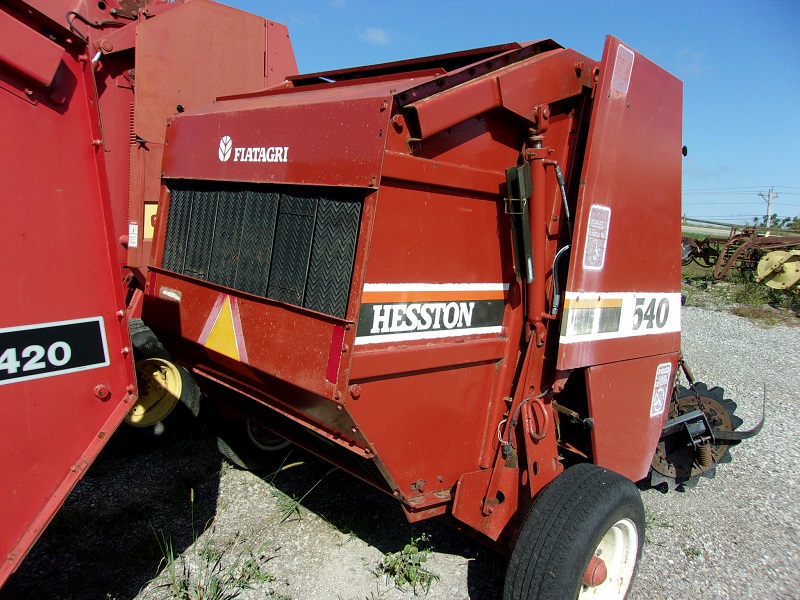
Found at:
(623, 67)
(594, 251)
(661, 389)
(133, 234)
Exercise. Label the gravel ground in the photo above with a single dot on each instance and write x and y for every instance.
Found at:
(737, 536)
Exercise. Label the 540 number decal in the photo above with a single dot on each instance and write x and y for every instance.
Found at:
(47, 349)
(650, 313)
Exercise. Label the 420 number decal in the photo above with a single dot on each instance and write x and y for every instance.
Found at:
(652, 313)
(57, 355)
(48, 349)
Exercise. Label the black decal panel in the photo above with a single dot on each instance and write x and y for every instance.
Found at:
(48, 349)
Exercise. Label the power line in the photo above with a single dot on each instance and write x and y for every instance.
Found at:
(756, 187)
(723, 203)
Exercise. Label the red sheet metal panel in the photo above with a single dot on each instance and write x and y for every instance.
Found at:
(623, 438)
(549, 77)
(56, 10)
(284, 139)
(623, 292)
(27, 52)
(65, 363)
(269, 338)
(430, 335)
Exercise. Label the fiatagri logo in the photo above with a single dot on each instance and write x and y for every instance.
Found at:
(225, 147)
(269, 154)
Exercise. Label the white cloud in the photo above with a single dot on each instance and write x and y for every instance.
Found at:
(303, 18)
(693, 63)
(375, 35)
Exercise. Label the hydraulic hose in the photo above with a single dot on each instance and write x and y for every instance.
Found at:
(556, 286)
(562, 186)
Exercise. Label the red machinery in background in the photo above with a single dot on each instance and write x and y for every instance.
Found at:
(85, 92)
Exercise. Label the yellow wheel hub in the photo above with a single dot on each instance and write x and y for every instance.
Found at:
(780, 269)
(160, 387)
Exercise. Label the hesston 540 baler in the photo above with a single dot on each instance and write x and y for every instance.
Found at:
(456, 277)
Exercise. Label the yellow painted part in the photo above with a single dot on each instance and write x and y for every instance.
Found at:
(160, 386)
(222, 338)
(780, 269)
(150, 210)
(593, 303)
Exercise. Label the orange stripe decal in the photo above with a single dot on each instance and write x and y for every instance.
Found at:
(431, 296)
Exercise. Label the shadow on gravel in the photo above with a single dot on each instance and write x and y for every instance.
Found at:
(103, 542)
(358, 510)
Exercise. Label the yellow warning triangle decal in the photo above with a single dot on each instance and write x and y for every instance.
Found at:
(222, 337)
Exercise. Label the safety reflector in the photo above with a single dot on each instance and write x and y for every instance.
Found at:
(223, 330)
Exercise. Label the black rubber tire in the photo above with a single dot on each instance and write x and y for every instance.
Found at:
(146, 345)
(236, 446)
(564, 527)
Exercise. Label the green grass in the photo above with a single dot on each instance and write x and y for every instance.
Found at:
(208, 572)
(211, 570)
(692, 552)
(741, 294)
(290, 505)
(653, 520)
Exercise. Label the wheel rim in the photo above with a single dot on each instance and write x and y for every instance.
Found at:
(263, 439)
(160, 386)
(619, 550)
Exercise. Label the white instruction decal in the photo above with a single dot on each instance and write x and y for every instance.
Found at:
(594, 251)
(661, 389)
(133, 234)
(623, 67)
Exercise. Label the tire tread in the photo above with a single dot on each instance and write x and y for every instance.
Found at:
(543, 564)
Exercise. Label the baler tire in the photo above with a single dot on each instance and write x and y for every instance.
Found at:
(568, 523)
(237, 445)
(147, 346)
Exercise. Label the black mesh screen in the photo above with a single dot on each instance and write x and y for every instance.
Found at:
(294, 245)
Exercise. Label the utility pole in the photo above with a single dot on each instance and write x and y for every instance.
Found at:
(769, 197)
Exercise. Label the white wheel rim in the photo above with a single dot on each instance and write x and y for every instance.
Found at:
(264, 439)
(618, 549)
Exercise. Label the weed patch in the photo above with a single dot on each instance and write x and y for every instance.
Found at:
(209, 571)
(407, 567)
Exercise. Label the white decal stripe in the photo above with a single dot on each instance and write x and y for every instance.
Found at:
(640, 314)
(426, 335)
(56, 323)
(434, 287)
(613, 295)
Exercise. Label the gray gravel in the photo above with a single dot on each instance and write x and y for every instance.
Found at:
(737, 536)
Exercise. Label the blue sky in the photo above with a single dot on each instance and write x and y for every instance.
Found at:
(739, 62)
